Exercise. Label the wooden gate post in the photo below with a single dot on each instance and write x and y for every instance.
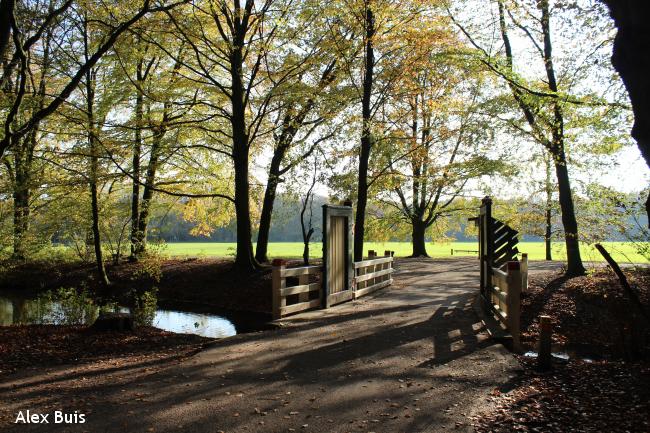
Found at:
(387, 266)
(524, 272)
(513, 301)
(329, 212)
(279, 283)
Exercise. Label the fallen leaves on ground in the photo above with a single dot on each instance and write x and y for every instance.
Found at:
(602, 396)
(591, 316)
(23, 346)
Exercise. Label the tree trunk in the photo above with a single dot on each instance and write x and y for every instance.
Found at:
(147, 194)
(631, 58)
(244, 261)
(94, 166)
(6, 15)
(137, 148)
(97, 242)
(574, 261)
(305, 254)
(21, 219)
(548, 235)
(366, 136)
(18, 311)
(21, 196)
(417, 236)
(261, 253)
(569, 222)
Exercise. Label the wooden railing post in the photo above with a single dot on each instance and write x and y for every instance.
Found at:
(372, 254)
(513, 299)
(387, 266)
(279, 283)
(524, 272)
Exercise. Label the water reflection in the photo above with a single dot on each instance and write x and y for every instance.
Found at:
(71, 308)
(193, 323)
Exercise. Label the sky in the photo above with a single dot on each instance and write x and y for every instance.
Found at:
(631, 173)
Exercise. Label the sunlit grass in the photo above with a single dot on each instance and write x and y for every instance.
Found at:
(622, 252)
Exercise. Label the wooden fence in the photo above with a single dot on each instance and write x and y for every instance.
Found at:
(293, 285)
(292, 291)
(372, 274)
(505, 298)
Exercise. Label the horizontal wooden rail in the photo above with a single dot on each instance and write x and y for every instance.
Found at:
(366, 277)
(304, 270)
(302, 289)
(372, 262)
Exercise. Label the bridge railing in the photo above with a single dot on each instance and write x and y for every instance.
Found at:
(505, 297)
(294, 283)
(372, 274)
(293, 292)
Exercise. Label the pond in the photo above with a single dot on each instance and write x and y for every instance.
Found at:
(67, 307)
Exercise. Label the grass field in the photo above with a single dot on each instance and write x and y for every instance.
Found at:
(623, 252)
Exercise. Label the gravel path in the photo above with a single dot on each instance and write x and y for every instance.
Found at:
(414, 357)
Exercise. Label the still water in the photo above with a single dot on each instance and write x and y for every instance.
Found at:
(72, 309)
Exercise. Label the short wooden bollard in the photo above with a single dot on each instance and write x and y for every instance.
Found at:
(544, 352)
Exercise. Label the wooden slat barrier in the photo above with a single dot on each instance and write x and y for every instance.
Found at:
(302, 289)
(505, 297)
(373, 274)
(370, 275)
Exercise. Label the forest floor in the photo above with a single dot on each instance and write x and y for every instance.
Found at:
(31, 347)
(604, 385)
(412, 357)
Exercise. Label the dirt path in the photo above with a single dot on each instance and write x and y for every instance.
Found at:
(412, 358)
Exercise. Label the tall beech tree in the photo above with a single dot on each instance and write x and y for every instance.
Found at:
(438, 127)
(21, 164)
(543, 101)
(92, 129)
(373, 67)
(231, 44)
(554, 139)
(367, 139)
(162, 102)
(548, 129)
(297, 122)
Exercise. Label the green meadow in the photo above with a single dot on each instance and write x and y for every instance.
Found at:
(623, 252)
